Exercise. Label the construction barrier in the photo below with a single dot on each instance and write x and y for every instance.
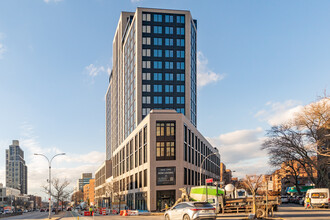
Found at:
(133, 212)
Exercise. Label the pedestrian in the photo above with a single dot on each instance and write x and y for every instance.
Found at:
(308, 203)
(91, 210)
(166, 206)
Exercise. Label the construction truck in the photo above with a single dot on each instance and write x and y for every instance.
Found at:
(230, 200)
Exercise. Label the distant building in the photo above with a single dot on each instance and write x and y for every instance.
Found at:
(85, 177)
(89, 192)
(225, 174)
(35, 201)
(103, 177)
(8, 195)
(16, 170)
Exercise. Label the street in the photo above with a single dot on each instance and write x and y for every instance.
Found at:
(29, 215)
(297, 212)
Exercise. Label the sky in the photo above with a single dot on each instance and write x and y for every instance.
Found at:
(258, 63)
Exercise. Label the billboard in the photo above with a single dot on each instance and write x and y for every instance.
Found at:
(165, 176)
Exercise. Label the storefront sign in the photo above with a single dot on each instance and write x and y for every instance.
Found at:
(165, 176)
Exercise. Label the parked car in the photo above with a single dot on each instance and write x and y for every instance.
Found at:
(191, 210)
(42, 210)
(319, 197)
(302, 201)
(284, 199)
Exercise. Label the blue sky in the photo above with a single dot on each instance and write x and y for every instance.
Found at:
(259, 61)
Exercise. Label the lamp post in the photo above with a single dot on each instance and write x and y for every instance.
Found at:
(49, 180)
(200, 171)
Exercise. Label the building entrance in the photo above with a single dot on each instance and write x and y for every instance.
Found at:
(165, 197)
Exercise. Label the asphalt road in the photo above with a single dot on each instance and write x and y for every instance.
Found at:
(298, 212)
(29, 215)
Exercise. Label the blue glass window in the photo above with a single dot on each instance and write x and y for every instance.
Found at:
(168, 65)
(169, 42)
(157, 18)
(180, 88)
(180, 110)
(168, 30)
(180, 100)
(168, 88)
(168, 53)
(169, 18)
(169, 76)
(157, 64)
(180, 65)
(157, 88)
(180, 42)
(157, 76)
(157, 53)
(168, 100)
(180, 77)
(157, 29)
(158, 41)
(179, 31)
(157, 100)
(180, 19)
(180, 53)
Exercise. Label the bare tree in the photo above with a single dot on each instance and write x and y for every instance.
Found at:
(253, 183)
(301, 139)
(59, 190)
(77, 197)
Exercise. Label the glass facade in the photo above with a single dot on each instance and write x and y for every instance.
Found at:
(193, 96)
(167, 60)
(129, 81)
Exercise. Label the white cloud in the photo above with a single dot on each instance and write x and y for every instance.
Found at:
(93, 70)
(136, 1)
(48, 1)
(240, 151)
(277, 112)
(2, 46)
(67, 167)
(204, 74)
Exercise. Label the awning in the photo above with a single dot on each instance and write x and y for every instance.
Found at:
(293, 189)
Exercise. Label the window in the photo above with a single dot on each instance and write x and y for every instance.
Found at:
(169, 41)
(168, 88)
(146, 29)
(180, 31)
(157, 29)
(145, 76)
(180, 65)
(168, 30)
(180, 110)
(145, 111)
(157, 76)
(157, 53)
(168, 53)
(145, 178)
(180, 100)
(140, 179)
(168, 65)
(180, 19)
(180, 77)
(157, 88)
(157, 100)
(146, 17)
(169, 18)
(146, 40)
(146, 52)
(146, 99)
(165, 150)
(145, 88)
(157, 18)
(180, 42)
(145, 64)
(180, 54)
(157, 41)
(168, 100)
(185, 176)
(169, 76)
(157, 64)
(180, 88)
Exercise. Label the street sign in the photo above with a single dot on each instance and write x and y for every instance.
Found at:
(209, 180)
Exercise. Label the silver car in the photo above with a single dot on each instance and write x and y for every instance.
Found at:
(190, 211)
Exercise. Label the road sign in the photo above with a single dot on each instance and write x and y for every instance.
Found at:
(209, 180)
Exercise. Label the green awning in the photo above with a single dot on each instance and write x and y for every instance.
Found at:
(293, 189)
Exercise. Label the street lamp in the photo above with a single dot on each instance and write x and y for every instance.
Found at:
(49, 180)
(200, 168)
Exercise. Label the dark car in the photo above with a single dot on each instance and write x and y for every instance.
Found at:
(42, 210)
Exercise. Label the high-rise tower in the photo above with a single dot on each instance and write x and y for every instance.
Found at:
(16, 170)
(154, 67)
